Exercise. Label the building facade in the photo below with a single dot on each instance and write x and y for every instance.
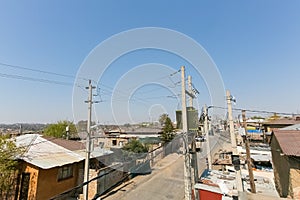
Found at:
(285, 147)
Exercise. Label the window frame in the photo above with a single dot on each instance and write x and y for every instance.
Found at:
(65, 172)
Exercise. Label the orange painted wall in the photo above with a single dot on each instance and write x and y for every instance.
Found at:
(44, 183)
(34, 173)
(49, 186)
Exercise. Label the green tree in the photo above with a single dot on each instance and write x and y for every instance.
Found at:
(135, 146)
(58, 130)
(168, 131)
(8, 166)
(162, 118)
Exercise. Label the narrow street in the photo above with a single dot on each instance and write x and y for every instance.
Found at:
(166, 180)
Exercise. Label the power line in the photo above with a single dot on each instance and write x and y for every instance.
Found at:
(26, 78)
(254, 111)
(48, 81)
(39, 71)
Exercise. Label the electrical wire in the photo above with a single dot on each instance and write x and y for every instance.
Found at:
(26, 78)
(253, 111)
(39, 71)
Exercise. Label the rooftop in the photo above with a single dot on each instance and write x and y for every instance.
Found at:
(225, 183)
(292, 127)
(282, 121)
(45, 154)
(48, 152)
(289, 141)
(68, 144)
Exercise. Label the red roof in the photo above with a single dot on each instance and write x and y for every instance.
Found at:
(289, 141)
(68, 144)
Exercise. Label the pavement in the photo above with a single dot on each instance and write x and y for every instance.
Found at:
(165, 182)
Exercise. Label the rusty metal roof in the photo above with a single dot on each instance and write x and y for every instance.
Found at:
(289, 141)
(282, 121)
(68, 144)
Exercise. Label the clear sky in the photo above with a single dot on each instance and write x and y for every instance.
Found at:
(254, 44)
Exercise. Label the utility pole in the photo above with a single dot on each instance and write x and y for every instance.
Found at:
(205, 110)
(194, 162)
(190, 90)
(249, 163)
(238, 175)
(187, 164)
(88, 142)
(231, 126)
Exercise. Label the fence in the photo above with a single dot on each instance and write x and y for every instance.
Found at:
(107, 178)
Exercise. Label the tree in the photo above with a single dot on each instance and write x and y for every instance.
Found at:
(8, 166)
(162, 118)
(135, 146)
(168, 131)
(58, 130)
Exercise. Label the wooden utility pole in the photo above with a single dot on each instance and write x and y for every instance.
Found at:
(238, 175)
(187, 160)
(249, 163)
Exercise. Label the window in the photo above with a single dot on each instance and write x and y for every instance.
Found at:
(114, 142)
(65, 172)
(24, 186)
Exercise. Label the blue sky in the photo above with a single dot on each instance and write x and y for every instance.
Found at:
(255, 46)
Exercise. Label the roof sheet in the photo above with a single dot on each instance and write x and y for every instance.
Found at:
(282, 121)
(44, 153)
(261, 158)
(49, 152)
(289, 141)
(68, 144)
(96, 153)
(292, 127)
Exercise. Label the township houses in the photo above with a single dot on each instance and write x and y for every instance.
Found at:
(51, 166)
(117, 138)
(276, 124)
(285, 147)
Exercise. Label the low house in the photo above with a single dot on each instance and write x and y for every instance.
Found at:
(285, 147)
(276, 124)
(51, 166)
(47, 169)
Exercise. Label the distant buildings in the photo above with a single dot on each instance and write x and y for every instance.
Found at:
(276, 124)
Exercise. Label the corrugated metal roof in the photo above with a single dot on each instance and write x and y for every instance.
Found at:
(261, 158)
(282, 121)
(44, 153)
(96, 153)
(68, 144)
(293, 127)
(289, 141)
(49, 152)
